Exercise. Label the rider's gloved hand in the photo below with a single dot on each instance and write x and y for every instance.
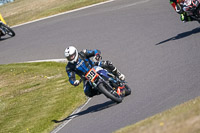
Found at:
(122, 76)
(97, 57)
(76, 83)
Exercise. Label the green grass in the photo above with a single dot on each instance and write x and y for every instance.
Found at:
(184, 118)
(34, 94)
(21, 11)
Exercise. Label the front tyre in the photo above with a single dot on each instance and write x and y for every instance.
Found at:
(8, 30)
(127, 90)
(109, 93)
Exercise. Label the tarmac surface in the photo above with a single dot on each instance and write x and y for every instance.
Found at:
(144, 39)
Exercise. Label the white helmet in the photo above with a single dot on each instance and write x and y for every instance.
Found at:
(71, 53)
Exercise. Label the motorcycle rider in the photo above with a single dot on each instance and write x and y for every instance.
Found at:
(80, 63)
(181, 9)
(1, 21)
(1, 33)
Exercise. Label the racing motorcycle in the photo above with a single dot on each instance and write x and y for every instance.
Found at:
(108, 84)
(192, 8)
(5, 30)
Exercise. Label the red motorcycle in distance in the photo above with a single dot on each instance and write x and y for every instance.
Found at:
(192, 8)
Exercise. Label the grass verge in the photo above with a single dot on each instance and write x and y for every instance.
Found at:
(21, 11)
(34, 94)
(184, 118)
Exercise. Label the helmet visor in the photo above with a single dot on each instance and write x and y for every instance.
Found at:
(71, 57)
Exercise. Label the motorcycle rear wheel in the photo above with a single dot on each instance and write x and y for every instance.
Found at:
(110, 93)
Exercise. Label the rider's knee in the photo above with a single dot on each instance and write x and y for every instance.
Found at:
(108, 64)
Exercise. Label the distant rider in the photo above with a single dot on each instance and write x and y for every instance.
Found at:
(181, 9)
(80, 63)
(1, 21)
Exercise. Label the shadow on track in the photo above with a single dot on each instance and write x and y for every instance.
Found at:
(91, 109)
(181, 35)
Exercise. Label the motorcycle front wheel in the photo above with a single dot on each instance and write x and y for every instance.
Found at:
(127, 90)
(109, 93)
(8, 30)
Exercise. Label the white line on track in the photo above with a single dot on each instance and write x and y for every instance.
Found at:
(64, 60)
(65, 13)
(73, 115)
(75, 10)
(54, 60)
(76, 111)
(128, 5)
(136, 3)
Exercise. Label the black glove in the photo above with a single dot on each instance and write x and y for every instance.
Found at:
(97, 57)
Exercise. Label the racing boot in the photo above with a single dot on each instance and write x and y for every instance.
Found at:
(2, 33)
(117, 73)
(184, 18)
(109, 66)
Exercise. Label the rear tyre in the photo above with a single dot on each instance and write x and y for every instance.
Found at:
(110, 93)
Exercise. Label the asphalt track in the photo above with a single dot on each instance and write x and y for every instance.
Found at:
(144, 38)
